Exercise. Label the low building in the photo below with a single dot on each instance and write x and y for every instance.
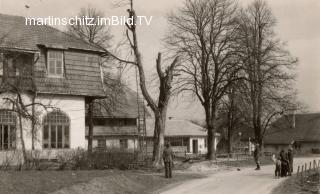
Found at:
(302, 129)
(183, 135)
(120, 125)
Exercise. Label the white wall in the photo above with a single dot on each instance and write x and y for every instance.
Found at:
(202, 148)
(72, 106)
(115, 142)
(201, 145)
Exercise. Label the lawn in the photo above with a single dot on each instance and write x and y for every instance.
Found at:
(310, 184)
(78, 182)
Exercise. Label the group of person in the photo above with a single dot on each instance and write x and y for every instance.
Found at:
(283, 162)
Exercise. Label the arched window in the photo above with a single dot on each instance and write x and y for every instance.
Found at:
(56, 131)
(7, 130)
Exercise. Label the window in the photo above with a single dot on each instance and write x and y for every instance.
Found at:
(101, 143)
(56, 133)
(15, 64)
(55, 63)
(123, 144)
(7, 130)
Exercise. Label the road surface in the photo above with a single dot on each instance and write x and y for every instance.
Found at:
(245, 181)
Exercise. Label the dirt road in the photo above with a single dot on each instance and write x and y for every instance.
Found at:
(245, 181)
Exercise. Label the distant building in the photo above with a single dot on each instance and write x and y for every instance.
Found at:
(183, 135)
(302, 129)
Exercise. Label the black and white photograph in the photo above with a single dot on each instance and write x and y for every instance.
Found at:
(159, 97)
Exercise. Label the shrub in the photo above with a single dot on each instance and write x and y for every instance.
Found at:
(99, 159)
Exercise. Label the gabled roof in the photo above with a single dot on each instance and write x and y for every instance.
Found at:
(307, 129)
(175, 127)
(14, 33)
(124, 106)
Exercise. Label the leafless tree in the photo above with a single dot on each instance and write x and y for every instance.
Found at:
(18, 91)
(96, 34)
(231, 115)
(268, 68)
(203, 33)
(166, 76)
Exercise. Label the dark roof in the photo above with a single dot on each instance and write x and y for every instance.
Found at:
(176, 128)
(307, 129)
(18, 35)
(82, 70)
(125, 105)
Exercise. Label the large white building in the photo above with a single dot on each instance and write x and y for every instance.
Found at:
(55, 72)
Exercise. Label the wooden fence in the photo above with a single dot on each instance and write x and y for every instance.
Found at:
(308, 168)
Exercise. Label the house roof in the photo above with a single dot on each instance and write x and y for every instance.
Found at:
(125, 105)
(81, 59)
(175, 127)
(14, 33)
(307, 129)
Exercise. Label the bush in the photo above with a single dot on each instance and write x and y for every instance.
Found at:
(98, 159)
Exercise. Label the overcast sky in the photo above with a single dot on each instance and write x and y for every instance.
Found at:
(297, 24)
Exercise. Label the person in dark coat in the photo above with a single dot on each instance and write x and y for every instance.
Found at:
(168, 160)
(290, 158)
(256, 154)
(284, 163)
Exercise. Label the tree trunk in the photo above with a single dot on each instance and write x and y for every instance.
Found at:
(24, 153)
(210, 122)
(230, 140)
(90, 123)
(158, 139)
(33, 123)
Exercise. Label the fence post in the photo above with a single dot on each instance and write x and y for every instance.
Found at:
(305, 167)
(310, 167)
(298, 170)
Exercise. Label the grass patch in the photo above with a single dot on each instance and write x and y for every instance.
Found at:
(83, 182)
(310, 184)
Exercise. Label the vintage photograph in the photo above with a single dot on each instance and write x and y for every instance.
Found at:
(168, 97)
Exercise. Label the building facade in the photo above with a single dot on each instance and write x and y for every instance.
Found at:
(300, 130)
(55, 74)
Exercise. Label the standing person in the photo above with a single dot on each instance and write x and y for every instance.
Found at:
(290, 158)
(283, 163)
(168, 160)
(256, 154)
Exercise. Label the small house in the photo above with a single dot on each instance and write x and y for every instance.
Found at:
(183, 135)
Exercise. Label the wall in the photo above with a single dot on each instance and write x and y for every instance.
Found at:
(305, 148)
(202, 148)
(72, 106)
(114, 142)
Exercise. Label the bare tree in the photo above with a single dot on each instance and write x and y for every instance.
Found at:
(203, 33)
(18, 91)
(268, 90)
(95, 33)
(166, 76)
(231, 115)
